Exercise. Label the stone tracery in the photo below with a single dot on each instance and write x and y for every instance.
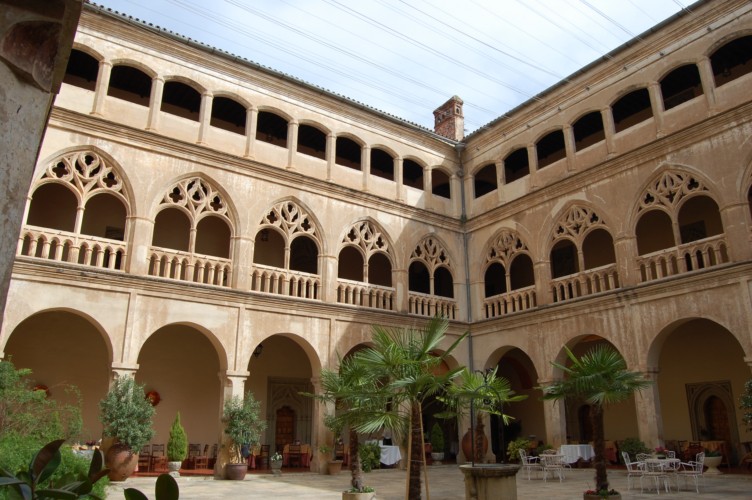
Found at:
(367, 236)
(87, 172)
(432, 253)
(505, 246)
(290, 218)
(669, 190)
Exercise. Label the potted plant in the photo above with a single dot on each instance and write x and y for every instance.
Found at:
(275, 462)
(364, 493)
(514, 447)
(712, 461)
(177, 447)
(243, 426)
(600, 377)
(336, 426)
(437, 443)
(126, 415)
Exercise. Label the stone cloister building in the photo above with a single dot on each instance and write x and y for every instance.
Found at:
(211, 226)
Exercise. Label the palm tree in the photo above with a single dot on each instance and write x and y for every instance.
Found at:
(348, 388)
(481, 392)
(601, 378)
(403, 362)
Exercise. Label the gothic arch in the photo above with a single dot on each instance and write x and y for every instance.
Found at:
(369, 238)
(291, 218)
(198, 196)
(221, 351)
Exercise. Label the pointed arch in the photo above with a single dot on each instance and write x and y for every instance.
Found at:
(368, 235)
(292, 219)
(198, 197)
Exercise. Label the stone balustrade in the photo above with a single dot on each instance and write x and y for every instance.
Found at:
(274, 280)
(356, 293)
(684, 258)
(423, 304)
(186, 266)
(64, 246)
(598, 280)
(510, 302)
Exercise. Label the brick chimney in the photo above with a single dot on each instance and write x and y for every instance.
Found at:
(449, 120)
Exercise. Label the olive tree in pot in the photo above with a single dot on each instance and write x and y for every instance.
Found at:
(177, 447)
(243, 426)
(126, 415)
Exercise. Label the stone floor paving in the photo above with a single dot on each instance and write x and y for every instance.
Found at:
(446, 483)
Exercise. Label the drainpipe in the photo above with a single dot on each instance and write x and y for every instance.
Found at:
(459, 148)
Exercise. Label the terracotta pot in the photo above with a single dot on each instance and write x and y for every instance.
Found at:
(236, 472)
(121, 461)
(334, 467)
(467, 444)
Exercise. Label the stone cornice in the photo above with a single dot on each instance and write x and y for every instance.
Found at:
(95, 127)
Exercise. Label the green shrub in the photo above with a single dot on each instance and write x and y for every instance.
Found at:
(370, 456)
(633, 446)
(513, 449)
(177, 444)
(437, 438)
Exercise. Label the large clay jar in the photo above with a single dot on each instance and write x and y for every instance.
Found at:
(467, 444)
(121, 461)
(236, 472)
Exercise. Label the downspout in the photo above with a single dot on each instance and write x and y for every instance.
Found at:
(459, 148)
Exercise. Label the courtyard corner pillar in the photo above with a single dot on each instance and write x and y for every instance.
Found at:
(556, 424)
(140, 235)
(648, 408)
(233, 384)
(455, 184)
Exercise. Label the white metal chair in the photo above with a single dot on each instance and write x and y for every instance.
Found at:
(655, 471)
(554, 465)
(634, 469)
(530, 464)
(692, 469)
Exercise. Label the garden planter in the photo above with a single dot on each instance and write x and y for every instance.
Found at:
(334, 467)
(437, 457)
(586, 496)
(174, 468)
(712, 464)
(276, 466)
(236, 472)
(121, 461)
(347, 495)
(490, 481)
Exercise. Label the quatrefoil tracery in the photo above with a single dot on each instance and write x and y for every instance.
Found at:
(86, 171)
(196, 195)
(366, 236)
(505, 246)
(669, 190)
(433, 253)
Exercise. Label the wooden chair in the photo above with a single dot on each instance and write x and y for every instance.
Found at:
(158, 458)
(201, 461)
(294, 456)
(262, 460)
(144, 459)
(194, 450)
(213, 456)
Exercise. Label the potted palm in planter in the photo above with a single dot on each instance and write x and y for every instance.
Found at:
(243, 426)
(437, 444)
(126, 415)
(600, 377)
(177, 447)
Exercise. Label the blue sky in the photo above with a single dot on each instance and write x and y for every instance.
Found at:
(407, 57)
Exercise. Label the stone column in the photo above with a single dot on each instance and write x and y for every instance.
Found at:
(542, 270)
(500, 180)
(292, 143)
(556, 424)
(365, 165)
(648, 409)
(656, 102)
(399, 195)
(532, 162)
(608, 129)
(331, 155)
(401, 288)
(328, 264)
(708, 81)
(734, 218)
(122, 370)
(251, 124)
(103, 83)
(320, 436)
(155, 103)
(569, 147)
(204, 116)
(455, 185)
(428, 188)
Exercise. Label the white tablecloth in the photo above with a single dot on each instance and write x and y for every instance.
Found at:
(573, 452)
(390, 455)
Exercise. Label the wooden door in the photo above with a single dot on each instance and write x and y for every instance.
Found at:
(285, 431)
